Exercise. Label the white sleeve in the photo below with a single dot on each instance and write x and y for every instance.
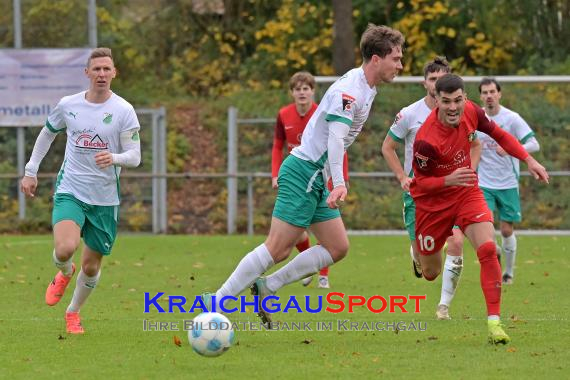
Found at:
(41, 147)
(400, 127)
(131, 149)
(531, 145)
(337, 132)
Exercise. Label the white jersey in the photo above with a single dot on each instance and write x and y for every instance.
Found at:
(91, 128)
(348, 100)
(496, 172)
(406, 125)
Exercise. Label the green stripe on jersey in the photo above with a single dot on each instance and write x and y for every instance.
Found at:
(341, 119)
(396, 138)
(52, 129)
(527, 137)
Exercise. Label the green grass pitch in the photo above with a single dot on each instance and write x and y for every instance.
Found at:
(33, 342)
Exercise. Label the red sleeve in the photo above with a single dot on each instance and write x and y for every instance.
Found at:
(278, 143)
(507, 141)
(424, 161)
(345, 167)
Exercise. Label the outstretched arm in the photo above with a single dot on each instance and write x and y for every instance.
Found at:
(512, 146)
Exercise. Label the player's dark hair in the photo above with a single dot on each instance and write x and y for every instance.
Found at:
(302, 77)
(99, 53)
(438, 64)
(487, 81)
(449, 83)
(379, 40)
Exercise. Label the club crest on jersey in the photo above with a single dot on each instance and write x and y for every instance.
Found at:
(108, 118)
(347, 101)
(472, 136)
(421, 160)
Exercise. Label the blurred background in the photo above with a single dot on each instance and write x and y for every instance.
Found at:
(187, 62)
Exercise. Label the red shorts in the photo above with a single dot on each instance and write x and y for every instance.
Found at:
(434, 227)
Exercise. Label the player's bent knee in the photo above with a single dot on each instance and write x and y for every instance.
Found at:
(64, 250)
(430, 275)
(487, 251)
(90, 269)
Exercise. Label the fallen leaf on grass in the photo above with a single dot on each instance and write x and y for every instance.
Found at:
(177, 341)
(433, 337)
(307, 341)
(60, 337)
(511, 349)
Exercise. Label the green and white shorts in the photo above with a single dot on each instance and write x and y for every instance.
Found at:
(507, 201)
(302, 194)
(98, 224)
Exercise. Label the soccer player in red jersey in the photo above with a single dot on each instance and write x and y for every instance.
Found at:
(291, 122)
(446, 191)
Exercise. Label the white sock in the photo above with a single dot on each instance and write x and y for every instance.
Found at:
(493, 318)
(510, 252)
(83, 288)
(304, 264)
(63, 266)
(253, 265)
(451, 275)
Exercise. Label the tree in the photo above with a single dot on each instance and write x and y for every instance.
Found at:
(343, 36)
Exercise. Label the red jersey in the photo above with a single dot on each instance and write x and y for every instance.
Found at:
(439, 150)
(289, 128)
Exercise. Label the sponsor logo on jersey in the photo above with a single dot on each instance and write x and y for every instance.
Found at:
(108, 118)
(399, 117)
(86, 141)
(74, 114)
(347, 101)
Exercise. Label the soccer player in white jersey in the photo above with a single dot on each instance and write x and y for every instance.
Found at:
(102, 132)
(499, 172)
(403, 130)
(303, 200)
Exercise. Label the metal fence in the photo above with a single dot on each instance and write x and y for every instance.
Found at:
(157, 172)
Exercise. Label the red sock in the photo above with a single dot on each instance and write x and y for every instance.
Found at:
(490, 277)
(305, 244)
(324, 271)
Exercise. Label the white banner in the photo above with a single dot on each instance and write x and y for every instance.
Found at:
(32, 81)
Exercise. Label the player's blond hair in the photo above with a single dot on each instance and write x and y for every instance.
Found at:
(100, 52)
(303, 77)
(379, 40)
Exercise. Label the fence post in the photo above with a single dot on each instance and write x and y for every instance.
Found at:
(232, 169)
(21, 144)
(155, 171)
(163, 207)
(249, 205)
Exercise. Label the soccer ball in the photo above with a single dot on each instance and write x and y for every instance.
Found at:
(211, 334)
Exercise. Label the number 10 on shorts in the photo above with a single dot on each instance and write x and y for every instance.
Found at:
(426, 243)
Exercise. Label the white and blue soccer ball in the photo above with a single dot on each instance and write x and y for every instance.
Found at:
(211, 334)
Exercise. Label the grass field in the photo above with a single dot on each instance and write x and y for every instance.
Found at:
(33, 342)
